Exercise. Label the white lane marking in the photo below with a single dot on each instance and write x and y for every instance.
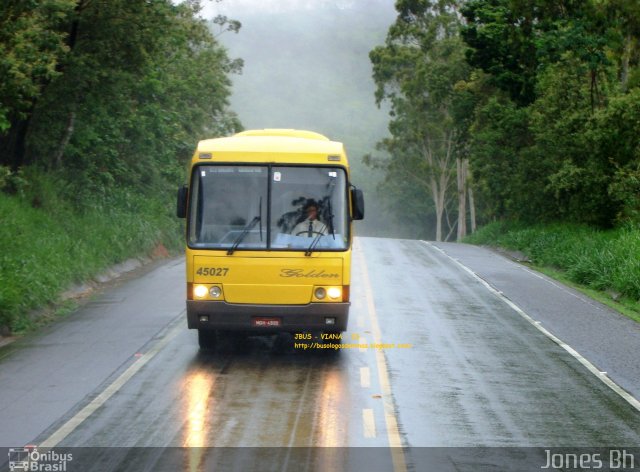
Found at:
(369, 423)
(360, 321)
(365, 377)
(108, 392)
(393, 432)
(593, 369)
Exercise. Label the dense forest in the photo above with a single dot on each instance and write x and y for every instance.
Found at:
(511, 110)
(108, 93)
(101, 104)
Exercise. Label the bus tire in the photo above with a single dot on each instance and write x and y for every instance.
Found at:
(207, 339)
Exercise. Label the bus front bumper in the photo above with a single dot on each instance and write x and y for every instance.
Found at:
(267, 318)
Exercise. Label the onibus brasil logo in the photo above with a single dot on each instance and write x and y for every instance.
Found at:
(29, 458)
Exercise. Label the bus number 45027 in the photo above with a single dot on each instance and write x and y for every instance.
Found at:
(213, 271)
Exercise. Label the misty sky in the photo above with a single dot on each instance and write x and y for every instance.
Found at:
(212, 7)
(307, 65)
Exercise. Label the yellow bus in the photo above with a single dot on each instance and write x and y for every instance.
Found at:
(269, 233)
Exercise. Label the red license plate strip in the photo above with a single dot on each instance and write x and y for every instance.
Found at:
(265, 322)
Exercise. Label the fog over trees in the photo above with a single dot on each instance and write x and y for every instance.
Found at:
(306, 66)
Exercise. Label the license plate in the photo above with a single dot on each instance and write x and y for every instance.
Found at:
(265, 322)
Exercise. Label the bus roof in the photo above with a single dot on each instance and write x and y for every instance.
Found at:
(272, 145)
(292, 133)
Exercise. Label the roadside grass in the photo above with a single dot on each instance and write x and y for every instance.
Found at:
(47, 247)
(604, 264)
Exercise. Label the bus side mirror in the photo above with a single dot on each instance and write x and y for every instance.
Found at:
(181, 207)
(357, 204)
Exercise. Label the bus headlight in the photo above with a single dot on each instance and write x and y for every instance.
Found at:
(207, 292)
(200, 291)
(334, 293)
(328, 294)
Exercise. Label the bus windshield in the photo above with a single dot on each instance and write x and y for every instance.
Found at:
(262, 207)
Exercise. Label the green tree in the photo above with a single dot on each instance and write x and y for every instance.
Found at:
(417, 71)
(613, 134)
(33, 39)
(499, 135)
(541, 141)
(513, 40)
(139, 83)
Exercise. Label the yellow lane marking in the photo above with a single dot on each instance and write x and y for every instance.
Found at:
(302, 406)
(393, 433)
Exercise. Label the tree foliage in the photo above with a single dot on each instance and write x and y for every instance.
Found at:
(417, 71)
(550, 105)
(581, 63)
(118, 91)
(32, 42)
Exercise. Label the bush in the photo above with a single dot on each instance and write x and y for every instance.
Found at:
(12, 182)
(46, 247)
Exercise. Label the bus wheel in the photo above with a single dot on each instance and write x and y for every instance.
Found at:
(207, 339)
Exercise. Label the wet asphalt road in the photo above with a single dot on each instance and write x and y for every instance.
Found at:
(455, 366)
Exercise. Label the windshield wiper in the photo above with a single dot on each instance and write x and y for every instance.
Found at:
(242, 235)
(248, 228)
(315, 241)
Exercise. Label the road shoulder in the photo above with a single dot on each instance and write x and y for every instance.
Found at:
(600, 334)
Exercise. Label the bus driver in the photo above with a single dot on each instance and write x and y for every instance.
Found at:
(311, 226)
